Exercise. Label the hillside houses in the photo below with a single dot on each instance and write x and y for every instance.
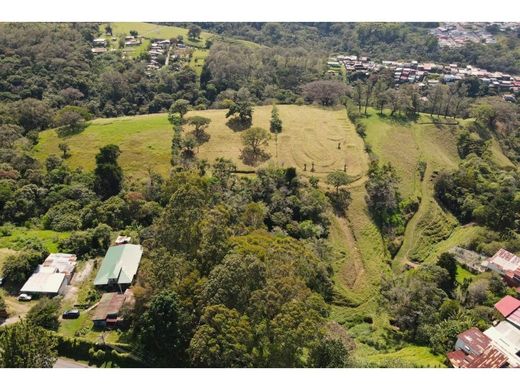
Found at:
(426, 73)
(507, 265)
(496, 347)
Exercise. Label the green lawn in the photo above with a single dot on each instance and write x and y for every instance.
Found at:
(463, 274)
(197, 60)
(49, 238)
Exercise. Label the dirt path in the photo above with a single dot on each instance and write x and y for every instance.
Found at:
(16, 309)
(71, 292)
(352, 268)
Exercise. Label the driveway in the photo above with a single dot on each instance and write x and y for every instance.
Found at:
(67, 363)
(71, 291)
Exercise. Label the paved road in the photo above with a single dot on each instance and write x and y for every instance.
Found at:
(66, 363)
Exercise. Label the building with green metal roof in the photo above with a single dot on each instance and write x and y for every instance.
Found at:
(119, 266)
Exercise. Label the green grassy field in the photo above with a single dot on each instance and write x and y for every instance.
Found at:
(156, 31)
(49, 238)
(310, 134)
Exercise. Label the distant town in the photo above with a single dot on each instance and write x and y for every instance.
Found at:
(426, 73)
(458, 34)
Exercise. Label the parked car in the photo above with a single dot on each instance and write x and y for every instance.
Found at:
(70, 314)
(24, 297)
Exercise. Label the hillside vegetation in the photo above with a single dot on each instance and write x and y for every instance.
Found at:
(405, 144)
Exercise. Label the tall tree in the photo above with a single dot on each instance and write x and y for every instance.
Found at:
(200, 124)
(45, 314)
(223, 339)
(180, 106)
(108, 173)
(24, 345)
(242, 108)
(161, 332)
(275, 125)
(254, 140)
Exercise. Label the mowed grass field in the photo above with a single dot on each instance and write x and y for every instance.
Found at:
(310, 134)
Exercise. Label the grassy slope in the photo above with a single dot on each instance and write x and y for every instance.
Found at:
(309, 134)
(404, 144)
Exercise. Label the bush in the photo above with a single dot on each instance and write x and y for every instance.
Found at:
(45, 313)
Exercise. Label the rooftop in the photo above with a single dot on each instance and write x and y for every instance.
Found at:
(110, 304)
(44, 283)
(507, 305)
(504, 261)
(119, 265)
(63, 262)
(475, 340)
(506, 338)
(514, 318)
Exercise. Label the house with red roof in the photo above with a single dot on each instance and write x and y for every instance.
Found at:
(507, 305)
(474, 349)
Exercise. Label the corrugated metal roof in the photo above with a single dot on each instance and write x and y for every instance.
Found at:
(490, 358)
(514, 318)
(120, 264)
(43, 283)
(507, 305)
(475, 340)
(64, 262)
(505, 261)
(110, 303)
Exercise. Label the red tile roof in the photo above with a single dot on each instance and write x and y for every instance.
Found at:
(507, 305)
(475, 340)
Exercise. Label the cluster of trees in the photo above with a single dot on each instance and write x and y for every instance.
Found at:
(482, 192)
(494, 116)
(268, 73)
(237, 274)
(389, 210)
(430, 308)
(446, 100)
(48, 66)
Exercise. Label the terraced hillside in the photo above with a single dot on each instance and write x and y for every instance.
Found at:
(404, 144)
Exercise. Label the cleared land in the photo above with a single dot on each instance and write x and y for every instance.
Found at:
(310, 134)
(157, 31)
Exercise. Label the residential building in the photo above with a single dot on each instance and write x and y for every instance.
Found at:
(108, 311)
(65, 263)
(45, 282)
(119, 266)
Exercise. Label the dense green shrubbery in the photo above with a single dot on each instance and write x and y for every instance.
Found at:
(480, 191)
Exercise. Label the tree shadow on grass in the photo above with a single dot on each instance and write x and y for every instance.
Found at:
(398, 119)
(201, 136)
(69, 131)
(253, 159)
(236, 124)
